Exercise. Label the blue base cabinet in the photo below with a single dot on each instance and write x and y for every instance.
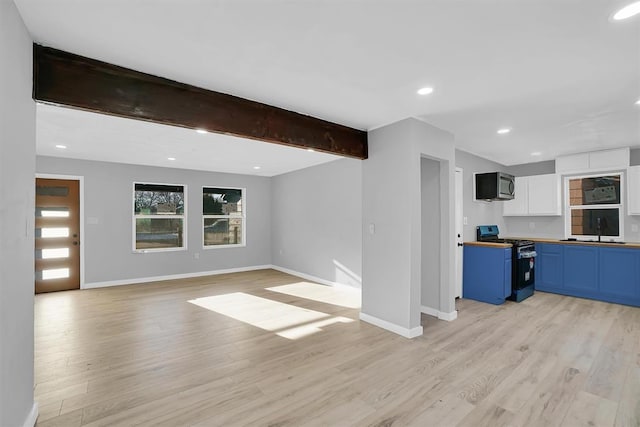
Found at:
(549, 269)
(486, 274)
(580, 270)
(620, 274)
(602, 273)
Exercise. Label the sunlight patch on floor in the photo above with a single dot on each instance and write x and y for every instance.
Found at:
(285, 320)
(327, 294)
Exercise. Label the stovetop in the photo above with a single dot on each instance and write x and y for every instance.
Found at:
(489, 233)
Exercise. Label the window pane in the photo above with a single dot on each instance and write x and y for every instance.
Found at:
(602, 190)
(222, 231)
(154, 233)
(55, 273)
(52, 253)
(151, 199)
(52, 191)
(52, 232)
(222, 201)
(591, 222)
(61, 212)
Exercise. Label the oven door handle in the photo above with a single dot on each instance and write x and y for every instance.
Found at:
(529, 254)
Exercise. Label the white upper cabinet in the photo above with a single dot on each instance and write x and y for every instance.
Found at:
(537, 195)
(519, 205)
(544, 195)
(633, 190)
(593, 161)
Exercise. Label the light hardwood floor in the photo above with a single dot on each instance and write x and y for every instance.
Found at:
(263, 348)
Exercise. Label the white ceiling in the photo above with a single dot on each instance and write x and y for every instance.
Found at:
(558, 72)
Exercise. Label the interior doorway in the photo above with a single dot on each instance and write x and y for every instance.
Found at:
(57, 235)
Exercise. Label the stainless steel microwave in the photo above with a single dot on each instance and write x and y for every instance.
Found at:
(495, 186)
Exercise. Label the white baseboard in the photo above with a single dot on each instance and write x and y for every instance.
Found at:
(172, 277)
(313, 278)
(31, 419)
(405, 332)
(439, 314)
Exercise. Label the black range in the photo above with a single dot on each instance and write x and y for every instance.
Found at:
(523, 261)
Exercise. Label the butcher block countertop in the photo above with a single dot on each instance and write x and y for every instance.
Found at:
(488, 244)
(635, 245)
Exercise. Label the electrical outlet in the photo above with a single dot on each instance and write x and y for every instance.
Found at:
(372, 228)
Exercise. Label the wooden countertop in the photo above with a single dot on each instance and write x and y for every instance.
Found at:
(488, 244)
(634, 245)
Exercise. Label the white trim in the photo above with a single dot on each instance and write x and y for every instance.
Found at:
(173, 276)
(314, 278)
(134, 217)
(243, 216)
(439, 314)
(80, 179)
(621, 206)
(31, 419)
(405, 332)
(448, 316)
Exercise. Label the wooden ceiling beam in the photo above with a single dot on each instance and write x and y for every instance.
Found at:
(71, 80)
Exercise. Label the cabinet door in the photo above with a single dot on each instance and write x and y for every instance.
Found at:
(607, 159)
(544, 195)
(572, 163)
(548, 269)
(633, 190)
(619, 272)
(580, 268)
(520, 204)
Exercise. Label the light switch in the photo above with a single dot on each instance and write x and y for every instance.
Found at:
(372, 228)
(465, 221)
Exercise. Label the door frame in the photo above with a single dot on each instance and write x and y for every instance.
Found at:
(459, 218)
(80, 179)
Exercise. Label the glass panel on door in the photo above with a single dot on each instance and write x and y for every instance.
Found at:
(57, 235)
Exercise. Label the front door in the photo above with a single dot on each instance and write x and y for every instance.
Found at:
(57, 235)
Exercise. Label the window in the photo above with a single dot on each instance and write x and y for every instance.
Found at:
(223, 217)
(594, 206)
(158, 211)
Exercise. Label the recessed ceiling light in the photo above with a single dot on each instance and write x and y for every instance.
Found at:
(504, 131)
(628, 11)
(256, 167)
(425, 91)
(638, 102)
(202, 131)
(536, 153)
(61, 146)
(171, 158)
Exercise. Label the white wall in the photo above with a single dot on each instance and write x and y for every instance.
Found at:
(392, 256)
(478, 212)
(108, 188)
(317, 221)
(17, 168)
(430, 196)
